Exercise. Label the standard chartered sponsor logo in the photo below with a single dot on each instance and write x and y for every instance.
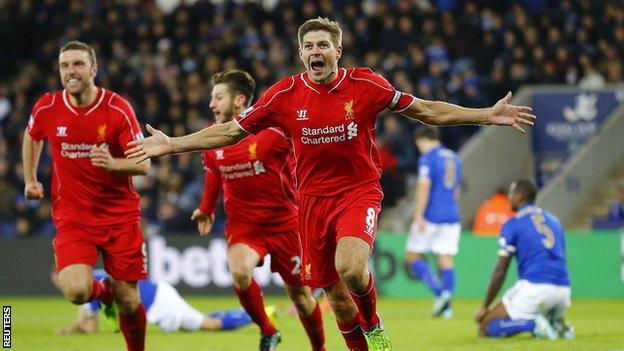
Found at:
(352, 130)
(242, 170)
(76, 150)
(258, 167)
(329, 134)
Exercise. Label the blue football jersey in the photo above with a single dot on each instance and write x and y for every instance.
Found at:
(537, 240)
(442, 167)
(147, 292)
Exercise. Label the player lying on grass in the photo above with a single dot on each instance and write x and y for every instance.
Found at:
(165, 308)
(536, 303)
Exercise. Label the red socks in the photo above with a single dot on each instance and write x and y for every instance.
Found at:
(252, 302)
(101, 291)
(367, 305)
(133, 328)
(313, 325)
(352, 333)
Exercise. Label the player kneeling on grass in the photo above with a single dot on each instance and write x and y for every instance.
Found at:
(536, 303)
(165, 309)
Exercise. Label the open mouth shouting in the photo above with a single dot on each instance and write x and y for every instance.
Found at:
(317, 65)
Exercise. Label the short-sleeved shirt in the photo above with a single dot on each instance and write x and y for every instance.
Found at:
(81, 193)
(330, 126)
(256, 177)
(442, 167)
(537, 240)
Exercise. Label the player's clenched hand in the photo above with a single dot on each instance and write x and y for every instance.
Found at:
(33, 191)
(102, 158)
(480, 314)
(504, 114)
(204, 222)
(156, 145)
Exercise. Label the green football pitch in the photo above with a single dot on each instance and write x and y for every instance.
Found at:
(599, 326)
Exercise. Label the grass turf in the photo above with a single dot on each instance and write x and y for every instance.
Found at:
(599, 326)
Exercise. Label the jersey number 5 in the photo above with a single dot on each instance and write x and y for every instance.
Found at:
(542, 228)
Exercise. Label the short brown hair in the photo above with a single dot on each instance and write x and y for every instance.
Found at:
(526, 189)
(323, 24)
(78, 45)
(427, 132)
(239, 82)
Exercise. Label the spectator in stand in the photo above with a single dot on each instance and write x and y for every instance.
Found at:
(397, 155)
(492, 214)
(616, 211)
(160, 57)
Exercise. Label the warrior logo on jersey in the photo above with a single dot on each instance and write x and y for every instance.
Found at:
(61, 131)
(348, 107)
(252, 151)
(302, 115)
(101, 132)
(219, 154)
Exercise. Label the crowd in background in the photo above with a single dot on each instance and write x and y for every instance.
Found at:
(161, 59)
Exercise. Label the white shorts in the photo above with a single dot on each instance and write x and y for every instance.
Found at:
(441, 239)
(526, 300)
(171, 312)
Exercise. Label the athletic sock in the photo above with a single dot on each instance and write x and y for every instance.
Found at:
(420, 269)
(252, 302)
(503, 327)
(232, 319)
(352, 333)
(101, 291)
(313, 325)
(133, 328)
(448, 280)
(366, 302)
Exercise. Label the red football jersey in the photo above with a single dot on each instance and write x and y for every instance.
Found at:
(331, 126)
(82, 193)
(257, 183)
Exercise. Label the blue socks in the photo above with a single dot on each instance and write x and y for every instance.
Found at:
(420, 269)
(448, 280)
(232, 319)
(500, 328)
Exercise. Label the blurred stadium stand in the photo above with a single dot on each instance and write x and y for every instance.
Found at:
(160, 55)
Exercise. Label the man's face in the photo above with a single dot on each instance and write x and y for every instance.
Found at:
(76, 71)
(222, 103)
(320, 56)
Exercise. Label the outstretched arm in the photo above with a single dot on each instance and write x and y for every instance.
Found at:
(442, 113)
(102, 158)
(159, 144)
(497, 280)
